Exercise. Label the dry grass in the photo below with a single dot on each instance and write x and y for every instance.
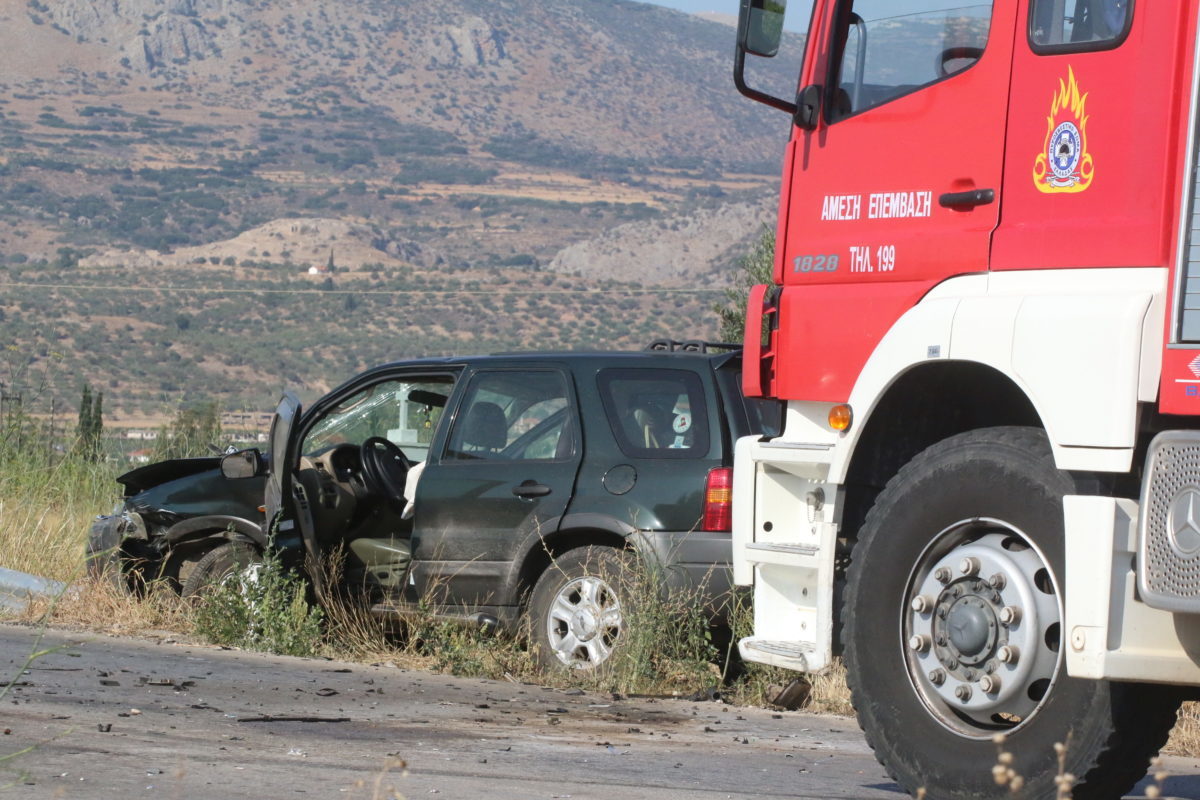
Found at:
(46, 512)
(1185, 736)
(98, 605)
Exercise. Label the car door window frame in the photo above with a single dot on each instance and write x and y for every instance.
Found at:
(447, 457)
(842, 25)
(320, 410)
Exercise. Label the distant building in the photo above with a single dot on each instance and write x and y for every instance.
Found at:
(328, 269)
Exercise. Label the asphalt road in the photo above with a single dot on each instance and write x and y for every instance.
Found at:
(123, 718)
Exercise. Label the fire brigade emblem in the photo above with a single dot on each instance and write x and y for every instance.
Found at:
(1065, 165)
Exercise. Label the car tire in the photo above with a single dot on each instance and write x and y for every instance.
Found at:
(217, 564)
(578, 610)
(973, 506)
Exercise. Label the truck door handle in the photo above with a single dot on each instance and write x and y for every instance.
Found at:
(975, 197)
(531, 489)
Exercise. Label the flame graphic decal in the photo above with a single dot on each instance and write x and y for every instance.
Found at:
(1065, 165)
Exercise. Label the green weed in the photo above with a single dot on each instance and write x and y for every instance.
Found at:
(667, 641)
(261, 607)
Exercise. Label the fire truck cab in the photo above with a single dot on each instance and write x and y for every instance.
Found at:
(984, 322)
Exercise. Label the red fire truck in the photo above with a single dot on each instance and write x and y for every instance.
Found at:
(985, 325)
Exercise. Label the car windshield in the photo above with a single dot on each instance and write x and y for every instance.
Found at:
(403, 411)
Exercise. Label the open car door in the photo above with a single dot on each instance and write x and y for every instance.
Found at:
(285, 501)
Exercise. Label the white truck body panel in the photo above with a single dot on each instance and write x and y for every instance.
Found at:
(1082, 346)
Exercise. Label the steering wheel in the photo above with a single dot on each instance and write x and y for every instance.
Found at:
(385, 468)
(953, 54)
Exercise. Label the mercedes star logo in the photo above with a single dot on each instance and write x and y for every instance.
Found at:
(1183, 521)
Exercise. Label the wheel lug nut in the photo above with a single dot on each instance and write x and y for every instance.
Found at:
(969, 566)
(1010, 615)
(990, 684)
(922, 604)
(942, 612)
(941, 640)
(998, 581)
(937, 677)
(1009, 654)
(951, 663)
(919, 643)
(969, 674)
(962, 692)
(942, 574)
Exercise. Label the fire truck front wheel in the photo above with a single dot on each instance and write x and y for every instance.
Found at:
(954, 633)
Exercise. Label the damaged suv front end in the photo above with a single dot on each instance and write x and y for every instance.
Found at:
(171, 514)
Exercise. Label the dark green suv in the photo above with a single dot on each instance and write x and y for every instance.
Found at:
(491, 487)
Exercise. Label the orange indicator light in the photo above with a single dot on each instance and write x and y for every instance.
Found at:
(840, 417)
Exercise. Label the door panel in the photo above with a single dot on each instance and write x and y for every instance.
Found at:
(1092, 173)
(506, 473)
(900, 183)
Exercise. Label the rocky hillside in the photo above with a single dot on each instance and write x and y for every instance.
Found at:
(595, 78)
(223, 160)
(685, 250)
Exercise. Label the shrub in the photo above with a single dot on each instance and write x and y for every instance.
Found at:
(262, 607)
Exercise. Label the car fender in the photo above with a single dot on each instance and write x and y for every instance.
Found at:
(201, 527)
(580, 529)
(592, 521)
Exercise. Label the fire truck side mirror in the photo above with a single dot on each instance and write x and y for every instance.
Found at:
(760, 26)
(760, 32)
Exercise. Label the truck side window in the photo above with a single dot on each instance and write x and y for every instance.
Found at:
(1064, 26)
(884, 50)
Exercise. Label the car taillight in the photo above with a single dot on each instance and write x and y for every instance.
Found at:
(718, 499)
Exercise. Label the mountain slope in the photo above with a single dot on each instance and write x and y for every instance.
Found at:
(484, 175)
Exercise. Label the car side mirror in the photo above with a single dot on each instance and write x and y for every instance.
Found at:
(242, 464)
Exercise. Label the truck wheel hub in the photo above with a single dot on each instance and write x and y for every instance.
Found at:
(994, 642)
(971, 627)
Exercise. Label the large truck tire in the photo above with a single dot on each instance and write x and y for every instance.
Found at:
(954, 633)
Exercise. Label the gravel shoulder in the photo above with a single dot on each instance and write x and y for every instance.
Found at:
(115, 717)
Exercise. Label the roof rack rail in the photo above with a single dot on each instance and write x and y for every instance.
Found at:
(689, 346)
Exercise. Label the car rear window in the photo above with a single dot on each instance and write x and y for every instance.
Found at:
(656, 413)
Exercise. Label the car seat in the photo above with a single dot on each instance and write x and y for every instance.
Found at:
(484, 431)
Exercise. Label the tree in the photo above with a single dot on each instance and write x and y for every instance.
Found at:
(191, 433)
(755, 267)
(91, 424)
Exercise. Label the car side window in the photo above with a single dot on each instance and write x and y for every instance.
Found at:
(1065, 26)
(885, 49)
(656, 413)
(513, 415)
(405, 411)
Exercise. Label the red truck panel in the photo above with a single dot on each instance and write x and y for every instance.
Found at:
(866, 233)
(1125, 104)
